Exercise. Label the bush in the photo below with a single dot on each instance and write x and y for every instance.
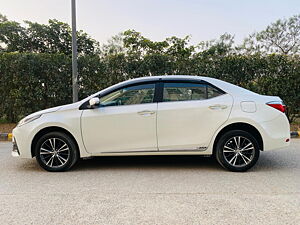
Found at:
(31, 82)
(35, 81)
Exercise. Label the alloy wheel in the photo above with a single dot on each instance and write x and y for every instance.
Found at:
(54, 152)
(238, 151)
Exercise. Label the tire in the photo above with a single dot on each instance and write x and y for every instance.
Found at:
(237, 151)
(56, 152)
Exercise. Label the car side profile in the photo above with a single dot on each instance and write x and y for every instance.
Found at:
(159, 115)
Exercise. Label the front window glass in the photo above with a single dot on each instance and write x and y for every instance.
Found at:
(139, 94)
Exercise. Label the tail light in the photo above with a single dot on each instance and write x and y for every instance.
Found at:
(277, 105)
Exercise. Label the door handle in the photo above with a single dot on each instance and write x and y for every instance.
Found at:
(146, 113)
(218, 107)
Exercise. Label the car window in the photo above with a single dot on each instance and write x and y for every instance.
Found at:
(183, 92)
(188, 91)
(139, 94)
(213, 92)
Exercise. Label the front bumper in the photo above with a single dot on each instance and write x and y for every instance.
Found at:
(15, 150)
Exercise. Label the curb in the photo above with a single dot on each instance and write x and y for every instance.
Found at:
(295, 134)
(8, 136)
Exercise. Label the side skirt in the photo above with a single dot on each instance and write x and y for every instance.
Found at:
(137, 153)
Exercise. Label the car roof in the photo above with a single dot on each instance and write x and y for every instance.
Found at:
(168, 77)
(163, 78)
(223, 85)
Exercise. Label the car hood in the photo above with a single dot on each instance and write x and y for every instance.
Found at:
(55, 109)
(50, 110)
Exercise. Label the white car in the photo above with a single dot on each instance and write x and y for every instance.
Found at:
(161, 115)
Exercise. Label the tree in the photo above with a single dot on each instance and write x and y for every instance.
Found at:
(115, 45)
(136, 44)
(13, 36)
(35, 63)
(54, 37)
(2, 18)
(222, 46)
(282, 36)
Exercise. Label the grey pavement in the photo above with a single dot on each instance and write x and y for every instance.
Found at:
(152, 190)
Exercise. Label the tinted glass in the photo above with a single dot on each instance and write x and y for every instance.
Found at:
(188, 91)
(213, 92)
(139, 94)
(184, 92)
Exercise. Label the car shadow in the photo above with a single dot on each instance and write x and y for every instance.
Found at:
(179, 162)
(266, 162)
(274, 161)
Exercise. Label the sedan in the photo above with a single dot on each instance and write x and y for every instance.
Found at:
(158, 115)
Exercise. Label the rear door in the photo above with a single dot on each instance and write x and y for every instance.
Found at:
(189, 115)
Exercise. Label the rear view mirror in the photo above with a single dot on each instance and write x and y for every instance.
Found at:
(94, 101)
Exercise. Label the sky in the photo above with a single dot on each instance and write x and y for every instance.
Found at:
(157, 19)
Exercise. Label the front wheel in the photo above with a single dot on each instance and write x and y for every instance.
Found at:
(237, 151)
(56, 151)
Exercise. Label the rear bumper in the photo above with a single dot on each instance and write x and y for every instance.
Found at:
(276, 133)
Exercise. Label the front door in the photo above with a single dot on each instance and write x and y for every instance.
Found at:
(125, 121)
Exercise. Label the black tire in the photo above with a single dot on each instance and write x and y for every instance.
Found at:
(245, 154)
(59, 158)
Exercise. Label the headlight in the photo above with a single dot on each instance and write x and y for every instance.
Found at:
(28, 120)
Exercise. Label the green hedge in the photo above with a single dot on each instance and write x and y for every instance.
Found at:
(31, 82)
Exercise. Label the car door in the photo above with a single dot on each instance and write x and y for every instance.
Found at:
(125, 121)
(189, 115)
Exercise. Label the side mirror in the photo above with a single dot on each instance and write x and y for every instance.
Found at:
(94, 102)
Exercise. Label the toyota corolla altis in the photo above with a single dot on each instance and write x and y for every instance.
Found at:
(161, 115)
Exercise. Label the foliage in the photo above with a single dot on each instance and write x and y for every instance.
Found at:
(221, 47)
(30, 81)
(282, 36)
(35, 65)
(55, 37)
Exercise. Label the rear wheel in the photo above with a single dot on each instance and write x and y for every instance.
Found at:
(237, 151)
(56, 152)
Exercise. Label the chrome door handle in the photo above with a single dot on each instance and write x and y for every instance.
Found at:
(146, 113)
(218, 107)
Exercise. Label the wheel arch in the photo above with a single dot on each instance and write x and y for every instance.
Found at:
(46, 130)
(240, 126)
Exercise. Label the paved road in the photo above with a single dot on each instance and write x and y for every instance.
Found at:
(152, 190)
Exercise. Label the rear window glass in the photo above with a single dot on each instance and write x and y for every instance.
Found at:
(175, 91)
